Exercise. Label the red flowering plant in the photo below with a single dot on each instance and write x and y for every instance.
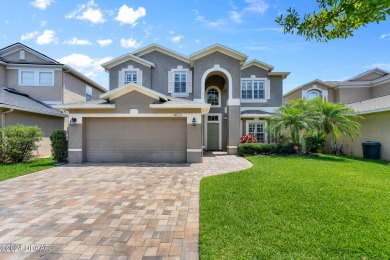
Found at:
(249, 138)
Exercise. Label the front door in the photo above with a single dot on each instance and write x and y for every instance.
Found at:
(212, 136)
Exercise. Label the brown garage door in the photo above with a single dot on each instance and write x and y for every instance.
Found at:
(136, 140)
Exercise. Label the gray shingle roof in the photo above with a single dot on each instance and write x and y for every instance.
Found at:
(10, 98)
(372, 105)
(254, 112)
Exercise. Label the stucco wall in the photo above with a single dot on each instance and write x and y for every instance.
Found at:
(375, 127)
(3, 74)
(380, 90)
(28, 57)
(146, 74)
(351, 95)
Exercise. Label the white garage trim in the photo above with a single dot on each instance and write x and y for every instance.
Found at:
(75, 150)
(194, 150)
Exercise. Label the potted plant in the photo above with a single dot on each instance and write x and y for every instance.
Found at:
(315, 143)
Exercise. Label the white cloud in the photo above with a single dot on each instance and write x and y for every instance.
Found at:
(384, 66)
(177, 38)
(89, 12)
(129, 43)
(235, 16)
(76, 41)
(48, 36)
(41, 4)
(43, 23)
(128, 15)
(28, 36)
(257, 6)
(85, 64)
(211, 24)
(171, 32)
(104, 42)
(384, 36)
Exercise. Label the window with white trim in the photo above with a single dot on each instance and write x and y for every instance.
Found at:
(33, 77)
(130, 76)
(88, 93)
(252, 89)
(180, 82)
(213, 97)
(212, 118)
(312, 94)
(258, 130)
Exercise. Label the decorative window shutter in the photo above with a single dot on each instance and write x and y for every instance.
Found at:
(139, 77)
(170, 82)
(267, 93)
(121, 78)
(189, 81)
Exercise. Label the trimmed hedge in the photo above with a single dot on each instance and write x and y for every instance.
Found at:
(259, 148)
(59, 145)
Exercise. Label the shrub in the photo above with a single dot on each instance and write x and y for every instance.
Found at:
(249, 138)
(19, 142)
(59, 145)
(259, 148)
(314, 142)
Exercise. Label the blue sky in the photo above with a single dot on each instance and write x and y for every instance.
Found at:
(84, 34)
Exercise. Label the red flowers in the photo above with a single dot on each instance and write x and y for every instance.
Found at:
(249, 138)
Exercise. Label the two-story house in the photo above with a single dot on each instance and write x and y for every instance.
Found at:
(30, 82)
(369, 94)
(165, 106)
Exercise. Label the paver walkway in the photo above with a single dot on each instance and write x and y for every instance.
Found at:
(100, 211)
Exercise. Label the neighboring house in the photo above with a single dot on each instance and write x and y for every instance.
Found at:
(164, 106)
(33, 75)
(369, 94)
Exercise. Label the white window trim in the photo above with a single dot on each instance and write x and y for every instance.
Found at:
(253, 100)
(121, 75)
(258, 121)
(171, 84)
(323, 93)
(36, 77)
(219, 95)
(213, 122)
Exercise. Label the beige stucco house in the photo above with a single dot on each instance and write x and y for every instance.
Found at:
(369, 94)
(31, 82)
(165, 106)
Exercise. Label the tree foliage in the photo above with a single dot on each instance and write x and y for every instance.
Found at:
(335, 18)
(59, 145)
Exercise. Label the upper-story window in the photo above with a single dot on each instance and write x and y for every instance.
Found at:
(213, 97)
(129, 75)
(312, 94)
(315, 92)
(88, 93)
(34, 77)
(180, 82)
(254, 89)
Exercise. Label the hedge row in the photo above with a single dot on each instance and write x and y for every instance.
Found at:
(259, 148)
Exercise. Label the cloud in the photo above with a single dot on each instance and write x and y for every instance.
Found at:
(256, 6)
(41, 4)
(28, 36)
(89, 12)
(384, 36)
(43, 23)
(177, 38)
(104, 42)
(130, 43)
(211, 24)
(171, 32)
(384, 66)
(48, 36)
(235, 16)
(76, 41)
(85, 64)
(128, 15)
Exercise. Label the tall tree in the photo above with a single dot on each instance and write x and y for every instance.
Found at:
(335, 18)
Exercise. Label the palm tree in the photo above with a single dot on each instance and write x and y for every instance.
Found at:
(293, 118)
(336, 119)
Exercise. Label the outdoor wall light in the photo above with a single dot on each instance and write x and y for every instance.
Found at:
(194, 121)
(72, 121)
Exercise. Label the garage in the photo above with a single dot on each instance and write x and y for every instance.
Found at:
(136, 139)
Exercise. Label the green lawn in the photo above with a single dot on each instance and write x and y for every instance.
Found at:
(9, 171)
(297, 208)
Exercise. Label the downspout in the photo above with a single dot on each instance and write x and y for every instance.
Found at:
(3, 119)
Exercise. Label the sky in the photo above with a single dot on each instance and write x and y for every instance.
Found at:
(85, 34)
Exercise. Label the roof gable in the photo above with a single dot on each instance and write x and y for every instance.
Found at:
(159, 48)
(126, 57)
(218, 48)
(115, 93)
(369, 75)
(19, 46)
(257, 63)
(318, 81)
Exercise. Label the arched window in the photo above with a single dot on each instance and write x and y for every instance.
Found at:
(312, 94)
(213, 97)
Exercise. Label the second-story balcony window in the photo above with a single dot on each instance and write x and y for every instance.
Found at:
(180, 82)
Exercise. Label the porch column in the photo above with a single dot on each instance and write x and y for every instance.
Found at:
(234, 135)
(194, 140)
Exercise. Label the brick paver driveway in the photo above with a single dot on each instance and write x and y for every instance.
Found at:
(137, 211)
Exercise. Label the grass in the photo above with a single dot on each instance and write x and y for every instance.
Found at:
(288, 207)
(8, 171)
